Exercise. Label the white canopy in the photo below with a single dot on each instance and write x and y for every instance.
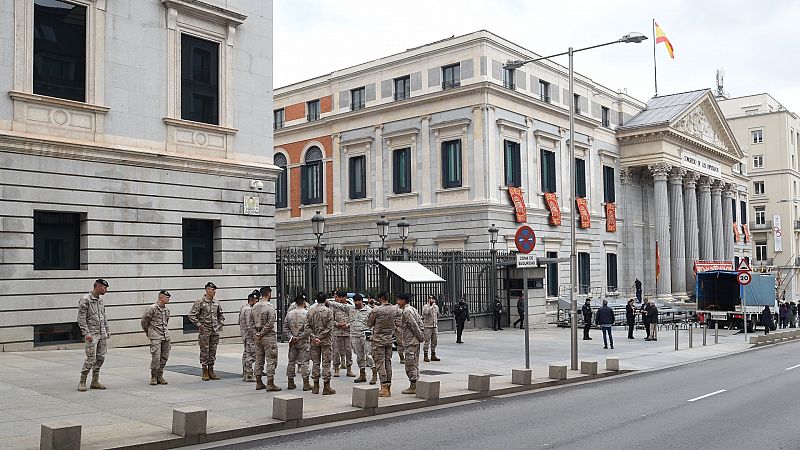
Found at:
(412, 271)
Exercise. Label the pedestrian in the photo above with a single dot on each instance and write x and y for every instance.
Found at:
(342, 347)
(430, 320)
(637, 286)
(320, 321)
(360, 341)
(206, 314)
(792, 314)
(461, 314)
(248, 336)
(586, 310)
(382, 321)
(398, 335)
(605, 320)
(783, 315)
(630, 317)
(643, 310)
(652, 320)
(94, 328)
(521, 312)
(155, 323)
(497, 314)
(262, 321)
(296, 329)
(371, 301)
(766, 319)
(411, 326)
(293, 304)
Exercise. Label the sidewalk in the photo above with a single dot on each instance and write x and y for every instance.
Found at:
(41, 386)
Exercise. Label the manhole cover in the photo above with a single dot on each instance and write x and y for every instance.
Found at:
(433, 372)
(198, 371)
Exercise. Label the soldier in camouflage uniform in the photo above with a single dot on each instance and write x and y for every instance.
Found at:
(398, 333)
(295, 327)
(262, 321)
(94, 327)
(430, 320)
(155, 323)
(360, 342)
(206, 314)
(411, 326)
(382, 321)
(248, 336)
(342, 347)
(320, 322)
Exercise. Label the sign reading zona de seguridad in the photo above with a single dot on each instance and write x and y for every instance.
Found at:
(526, 261)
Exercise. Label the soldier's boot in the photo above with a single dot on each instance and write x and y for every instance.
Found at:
(374, 379)
(160, 377)
(385, 391)
(343, 365)
(271, 385)
(244, 375)
(205, 373)
(336, 371)
(290, 384)
(412, 388)
(249, 377)
(82, 383)
(362, 376)
(211, 374)
(315, 389)
(153, 380)
(426, 357)
(96, 381)
(306, 385)
(402, 358)
(433, 357)
(350, 372)
(259, 384)
(328, 390)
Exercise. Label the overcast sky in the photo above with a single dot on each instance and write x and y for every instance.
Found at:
(757, 43)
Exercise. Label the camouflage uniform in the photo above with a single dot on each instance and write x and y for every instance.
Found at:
(262, 321)
(320, 322)
(398, 332)
(382, 321)
(342, 352)
(93, 322)
(207, 313)
(248, 339)
(296, 325)
(358, 338)
(155, 322)
(411, 326)
(430, 320)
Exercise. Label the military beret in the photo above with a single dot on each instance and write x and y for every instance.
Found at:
(211, 285)
(163, 292)
(255, 294)
(101, 281)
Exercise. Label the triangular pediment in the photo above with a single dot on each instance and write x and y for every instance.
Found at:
(704, 122)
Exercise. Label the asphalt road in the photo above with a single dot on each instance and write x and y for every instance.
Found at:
(754, 404)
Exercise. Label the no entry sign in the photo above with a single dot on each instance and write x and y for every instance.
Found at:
(525, 239)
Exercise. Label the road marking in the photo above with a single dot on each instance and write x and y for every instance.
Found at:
(707, 395)
(793, 367)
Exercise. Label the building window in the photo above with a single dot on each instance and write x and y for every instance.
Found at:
(311, 177)
(451, 164)
(544, 91)
(401, 170)
(761, 251)
(761, 215)
(604, 117)
(580, 178)
(358, 98)
(743, 211)
(508, 78)
(552, 276)
(199, 80)
(733, 208)
(757, 136)
(576, 101)
(548, 170)
(609, 189)
(56, 333)
(758, 161)
(188, 326)
(513, 166)
(402, 88)
(59, 49)
(451, 76)
(358, 177)
(282, 182)
(198, 244)
(56, 240)
(758, 188)
(278, 119)
(584, 273)
(611, 272)
(312, 110)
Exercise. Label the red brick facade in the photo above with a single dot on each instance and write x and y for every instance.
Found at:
(294, 150)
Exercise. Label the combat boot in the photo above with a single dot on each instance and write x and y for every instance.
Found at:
(259, 384)
(385, 392)
(290, 384)
(402, 358)
(211, 374)
(328, 390)
(426, 357)
(362, 376)
(343, 365)
(249, 377)
(336, 371)
(271, 385)
(306, 385)
(374, 379)
(96, 381)
(433, 357)
(412, 388)
(160, 377)
(153, 380)
(350, 372)
(205, 373)
(244, 376)
(315, 389)
(82, 383)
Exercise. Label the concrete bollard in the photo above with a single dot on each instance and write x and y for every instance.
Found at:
(428, 390)
(755, 339)
(287, 407)
(705, 332)
(557, 372)
(60, 435)
(612, 364)
(589, 367)
(189, 421)
(522, 376)
(479, 382)
(365, 397)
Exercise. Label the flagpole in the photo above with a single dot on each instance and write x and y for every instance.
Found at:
(655, 66)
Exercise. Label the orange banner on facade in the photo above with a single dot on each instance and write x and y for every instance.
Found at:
(551, 201)
(583, 210)
(736, 234)
(519, 204)
(746, 230)
(611, 217)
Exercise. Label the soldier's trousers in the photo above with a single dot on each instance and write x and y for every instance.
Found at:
(208, 348)
(400, 346)
(321, 356)
(341, 351)
(266, 351)
(248, 354)
(412, 361)
(431, 339)
(298, 356)
(362, 350)
(382, 356)
(95, 354)
(159, 353)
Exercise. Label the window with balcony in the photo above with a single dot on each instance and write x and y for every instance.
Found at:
(513, 164)
(580, 178)
(758, 161)
(552, 276)
(544, 91)
(402, 88)
(611, 272)
(584, 272)
(358, 98)
(761, 251)
(199, 80)
(56, 240)
(757, 136)
(312, 110)
(508, 78)
(311, 177)
(609, 189)
(451, 76)
(548, 162)
(278, 119)
(604, 117)
(758, 188)
(761, 215)
(451, 164)
(358, 177)
(401, 171)
(576, 101)
(743, 211)
(281, 183)
(59, 49)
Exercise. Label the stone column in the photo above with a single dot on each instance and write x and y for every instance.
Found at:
(626, 262)
(727, 222)
(677, 247)
(690, 226)
(660, 173)
(704, 219)
(381, 202)
(716, 219)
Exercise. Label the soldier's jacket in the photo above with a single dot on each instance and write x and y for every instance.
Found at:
(207, 313)
(358, 321)
(92, 316)
(244, 321)
(155, 322)
(342, 313)
(320, 322)
(296, 325)
(430, 315)
(398, 318)
(411, 326)
(263, 318)
(382, 321)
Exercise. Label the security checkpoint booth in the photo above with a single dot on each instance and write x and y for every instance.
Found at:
(413, 278)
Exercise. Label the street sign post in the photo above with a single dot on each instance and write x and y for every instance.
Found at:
(524, 261)
(525, 240)
(744, 266)
(744, 277)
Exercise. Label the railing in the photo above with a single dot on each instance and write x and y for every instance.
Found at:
(763, 262)
(277, 125)
(509, 85)
(767, 225)
(544, 98)
(401, 95)
(312, 117)
(357, 106)
(451, 84)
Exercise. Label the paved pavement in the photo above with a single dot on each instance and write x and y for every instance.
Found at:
(41, 386)
(736, 402)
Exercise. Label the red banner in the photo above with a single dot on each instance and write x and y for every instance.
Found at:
(583, 210)
(736, 234)
(746, 230)
(519, 204)
(611, 217)
(551, 201)
(705, 266)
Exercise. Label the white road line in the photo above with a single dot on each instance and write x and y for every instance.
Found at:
(793, 367)
(707, 395)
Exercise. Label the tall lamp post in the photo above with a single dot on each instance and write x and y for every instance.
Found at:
(516, 64)
(383, 232)
(493, 231)
(402, 229)
(318, 226)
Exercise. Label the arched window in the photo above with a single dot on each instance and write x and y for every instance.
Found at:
(281, 185)
(311, 177)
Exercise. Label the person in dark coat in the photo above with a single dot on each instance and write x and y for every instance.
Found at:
(645, 323)
(630, 317)
(652, 320)
(605, 320)
(766, 319)
(497, 314)
(521, 312)
(586, 310)
(637, 285)
(461, 314)
(783, 315)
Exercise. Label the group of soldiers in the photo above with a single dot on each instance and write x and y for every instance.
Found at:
(326, 333)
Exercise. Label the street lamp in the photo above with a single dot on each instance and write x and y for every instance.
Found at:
(632, 37)
(383, 232)
(493, 231)
(402, 230)
(318, 227)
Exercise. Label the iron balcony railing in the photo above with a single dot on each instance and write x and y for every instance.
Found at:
(312, 117)
(449, 84)
(766, 225)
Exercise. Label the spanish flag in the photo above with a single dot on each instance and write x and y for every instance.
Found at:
(661, 37)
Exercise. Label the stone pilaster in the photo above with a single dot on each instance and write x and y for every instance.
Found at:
(690, 226)
(727, 222)
(380, 169)
(660, 173)
(716, 220)
(677, 247)
(704, 218)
